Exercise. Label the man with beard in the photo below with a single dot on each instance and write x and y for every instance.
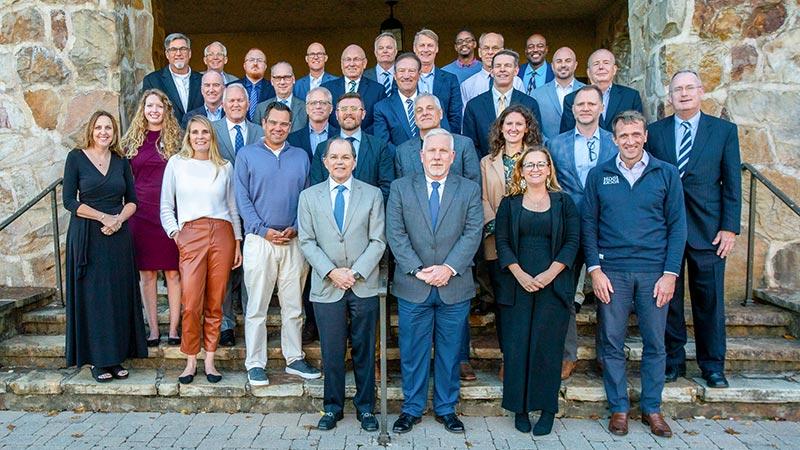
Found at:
(177, 80)
(465, 65)
(258, 88)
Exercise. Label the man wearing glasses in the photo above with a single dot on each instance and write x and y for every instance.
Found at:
(282, 79)
(177, 80)
(465, 65)
(215, 56)
(257, 87)
(536, 72)
(316, 59)
(354, 61)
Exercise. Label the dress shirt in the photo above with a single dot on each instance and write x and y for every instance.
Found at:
(213, 116)
(332, 185)
(606, 100)
(356, 143)
(425, 84)
(316, 138)
(287, 101)
(496, 97)
(379, 71)
(232, 130)
(694, 121)
(479, 83)
(562, 92)
(539, 74)
(428, 185)
(314, 82)
(182, 84)
(583, 163)
(403, 99)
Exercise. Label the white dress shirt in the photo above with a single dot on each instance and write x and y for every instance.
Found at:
(315, 82)
(694, 122)
(562, 92)
(347, 84)
(182, 84)
(479, 83)
(232, 131)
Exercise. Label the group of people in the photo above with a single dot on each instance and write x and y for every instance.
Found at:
(234, 187)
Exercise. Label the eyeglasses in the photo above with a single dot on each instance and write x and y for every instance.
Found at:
(541, 165)
(318, 103)
(255, 60)
(352, 60)
(352, 109)
(464, 41)
(280, 78)
(174, 50)
(316, 54)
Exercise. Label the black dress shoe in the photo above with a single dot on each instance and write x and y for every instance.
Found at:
(213, 378)
(368, 421)
(328, 421)
(405, 423)
(227, 339)
(522, 422)
(673, 372)
(309, 334)
(451, 423)
(716, 380)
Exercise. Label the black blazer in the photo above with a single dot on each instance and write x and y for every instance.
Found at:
(621, 98)
(162, 80)
(712, 185)
(565, 232)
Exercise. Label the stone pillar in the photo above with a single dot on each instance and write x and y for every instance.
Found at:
(59, 62)
(746, 54)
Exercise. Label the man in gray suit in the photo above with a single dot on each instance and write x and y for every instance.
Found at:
(434, 224)
(341, 223)
(282, 79)
(550, 96)
(234, 132)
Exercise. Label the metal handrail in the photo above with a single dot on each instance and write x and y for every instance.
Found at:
(54, 219)
(755, 176)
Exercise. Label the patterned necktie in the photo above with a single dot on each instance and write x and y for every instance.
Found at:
(532, 82)
(239, 139)
(685, 147)
(387, 83)
(590, 144)
(501, 104)
(352, 87)
(412, 124)
(338, 207)
(285, 101)
(433, 203)
(253, 98)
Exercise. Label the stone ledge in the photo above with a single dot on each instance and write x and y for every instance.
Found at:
(18, 297)
(40, 382)
(754, 390)
(231, 385)
(139, 382)
(783, 298)
(738, 349)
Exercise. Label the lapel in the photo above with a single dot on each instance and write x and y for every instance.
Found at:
(224, 138)
(364, 153)
(451, 187)
(194, 89)
(614, 99)
(606, 147)
(699, 143)
(555, 222)
(355, 199)
(550, 91)
(171, 90)
(486, 108)
(421, 191)
(570, 154)
(252, 133)
(516, 210)
(399, 110)
(498, 168)
(668, 135)
(324, 199)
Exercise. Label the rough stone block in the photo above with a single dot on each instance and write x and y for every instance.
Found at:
(231, 385)
(39, 382)
(280, 385)
(5, 378)
(584, 388)
(139, 382)
(680, 391)
(754, 390)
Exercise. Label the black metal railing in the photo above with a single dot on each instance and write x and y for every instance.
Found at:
(51, 190)
(755, 177)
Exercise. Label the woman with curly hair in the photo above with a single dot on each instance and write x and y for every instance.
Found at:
(154, 136)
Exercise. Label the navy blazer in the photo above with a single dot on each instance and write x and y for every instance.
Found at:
(562, 149)
(391, 121)
(303, 84)
(621, 98)
(479, 116)
(549, 75)
(371, 93)
(266, 92)
(201, 111)
(302, 139)
(375, 163)
(713, 179)
(447, 89)
(162, 80)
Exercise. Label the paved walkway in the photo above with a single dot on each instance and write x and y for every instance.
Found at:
(37, 430)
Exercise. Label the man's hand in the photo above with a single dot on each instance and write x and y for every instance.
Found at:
(726, 241)
(289, 233)
(665, 287)
(342, 278)
(276, 237)
(601, 286)
(436, 276)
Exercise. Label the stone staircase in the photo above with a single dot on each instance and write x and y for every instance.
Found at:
(763, 364)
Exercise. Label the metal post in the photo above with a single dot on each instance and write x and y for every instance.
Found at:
(751, 224)
(56, 244)
(383, 437)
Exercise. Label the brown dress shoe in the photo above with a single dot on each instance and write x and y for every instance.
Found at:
(618, 424)
(567, 367)
(467, 373)
(658, 425)
(501, 372)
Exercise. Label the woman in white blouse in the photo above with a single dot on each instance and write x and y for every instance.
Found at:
(198, 211)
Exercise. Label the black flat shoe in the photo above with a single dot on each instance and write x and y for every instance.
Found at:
(118, 372)
(545, 424)
(101, 374)
(174, 340)
(212, 378)
(154, 342)
(186, 379)
(227, 339)
(522, 422)
(716, 380)
(451, 423)
(405, 423)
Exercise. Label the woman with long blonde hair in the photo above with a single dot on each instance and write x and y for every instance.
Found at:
(154, 136)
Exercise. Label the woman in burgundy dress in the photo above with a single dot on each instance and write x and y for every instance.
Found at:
(154, 135)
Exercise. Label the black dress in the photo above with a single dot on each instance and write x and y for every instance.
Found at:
(104, 306)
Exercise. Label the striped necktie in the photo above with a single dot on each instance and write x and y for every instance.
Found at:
(532, 82)
(387, 82)
(685, 148)
(412, 123)
(352, 86)
(501, 104)
(253, 99)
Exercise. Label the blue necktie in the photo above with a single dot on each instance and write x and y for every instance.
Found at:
(412, 124)
(532, 82)
(685, 148)
(239, 139)
(387, 83)
(352, 87)
(285, 101)
(338, 207)
(352, 142)
(253, 98)
(433, 203)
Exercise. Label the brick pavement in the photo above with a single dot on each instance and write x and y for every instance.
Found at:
(38, 430)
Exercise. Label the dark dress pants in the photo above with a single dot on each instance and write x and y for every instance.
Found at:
(333, 333)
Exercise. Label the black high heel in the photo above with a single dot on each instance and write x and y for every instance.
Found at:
(186, 379)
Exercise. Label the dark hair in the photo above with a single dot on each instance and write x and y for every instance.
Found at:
(465, 30)
(590, 87)
(347, 95)
(507, 52)
(628, 117)
(408, 55)
(339, 140)
(278, 106)
(497, 141)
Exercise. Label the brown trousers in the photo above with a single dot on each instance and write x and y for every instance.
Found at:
(207, 249)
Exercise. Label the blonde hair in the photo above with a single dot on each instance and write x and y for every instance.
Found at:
(169, 138)
(88, 137)
(213, 148)
(518, 185)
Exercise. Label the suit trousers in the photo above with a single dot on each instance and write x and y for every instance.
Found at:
(571, 342)
(235, 292)
(633, 292)
(333, 334)
(421, 327)
(266, 264)
(706, 284)
(207, 248)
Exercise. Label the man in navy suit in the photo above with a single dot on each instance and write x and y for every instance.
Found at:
(177, 80)
(440, 83)
(318, 108)
(258, 88)
(551, 96)
(706, 151)
(536, 72)
(394, 116)
(616, 98)
(354, 61)
(482, 110)
(385, 54)
(316, 59)
(212, 85)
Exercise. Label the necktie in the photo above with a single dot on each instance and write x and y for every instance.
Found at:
(412, 124)
(387, 83)
(685, 147)
(253, 98)
(501, 104)
(433, 203)
(239, 139)
(532, 82)
(352, 142)
(285, 101)
(591, 143)
(352, 86)
(338, 207)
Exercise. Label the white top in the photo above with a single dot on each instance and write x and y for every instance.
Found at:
(197, 189)
(562, 92)
(182, 84)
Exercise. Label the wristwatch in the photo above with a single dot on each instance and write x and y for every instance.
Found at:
(416, 271)
(356, 275)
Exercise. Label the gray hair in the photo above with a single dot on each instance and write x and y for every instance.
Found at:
(424, 96)
(325, 92)
(681, 72)
(339, 140)
(628, 117)
(427, 33)
(174, 37)
(485, 35)
(211, 73)
(224, 50)
(438, 132)
(385, 34)
(280, 63)
(239, 86)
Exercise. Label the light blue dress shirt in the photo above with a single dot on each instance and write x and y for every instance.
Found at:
(583, 163)
(694, 122)
(356, 143)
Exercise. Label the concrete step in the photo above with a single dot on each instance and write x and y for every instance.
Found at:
(15, 301)
(750, 396)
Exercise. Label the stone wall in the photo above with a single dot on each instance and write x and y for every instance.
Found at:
(746, 54)
(59, 62)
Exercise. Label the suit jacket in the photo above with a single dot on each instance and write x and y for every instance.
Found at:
(374, 165)
(565, 229)
(447, 89)
(162, 80)
(254, 134)
(371, 93)
(201, 111)
(266, 92)
(621, 98)
(712, 182)
(549, 75)
(493, 190)
(226, 77)
(479, 116)
(562, 149)
(391, 121)
(551, 108)
(299, 114)
(416, 243)
(465, 164)
(372, 74)
(303, 85)
(301, 139)
(359, 246)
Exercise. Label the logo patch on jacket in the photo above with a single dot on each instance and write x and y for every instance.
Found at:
(611, 180)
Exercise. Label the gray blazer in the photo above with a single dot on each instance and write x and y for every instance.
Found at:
(550, 108)
(407, 160)
(360, 246)
(299, 115)
(254, 134)
(416, 244)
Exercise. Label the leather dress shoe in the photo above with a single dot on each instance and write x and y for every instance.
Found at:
(451, 423)
(658, 425)
(309, 334)
(716, 380)
(405, 423)
(328, 421)
(673, 372)
(467, 372)
(567, 367)
(368, 421)
(618, 424)
(227, 339)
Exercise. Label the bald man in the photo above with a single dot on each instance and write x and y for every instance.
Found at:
(282, 79)
(551, 96)
(316, 57)
(536, 72)
(211, 86)
(488, 45)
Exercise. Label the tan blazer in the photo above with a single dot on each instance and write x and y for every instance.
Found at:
(493, 180)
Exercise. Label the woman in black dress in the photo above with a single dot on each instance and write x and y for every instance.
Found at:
(537, 232)
(104, 307)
